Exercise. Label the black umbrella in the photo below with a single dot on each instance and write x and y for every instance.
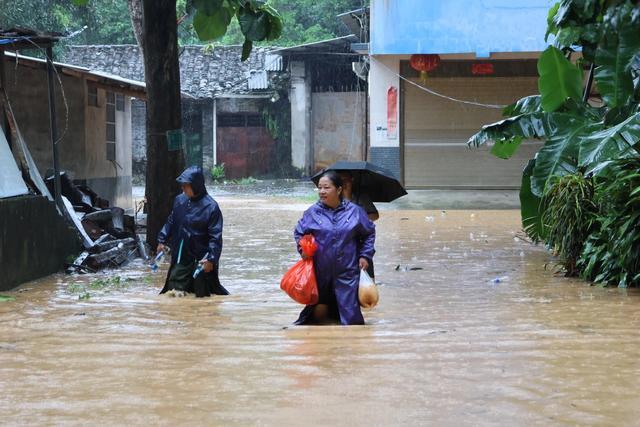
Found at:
(377, 182)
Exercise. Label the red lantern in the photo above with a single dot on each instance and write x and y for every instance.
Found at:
(425, 63)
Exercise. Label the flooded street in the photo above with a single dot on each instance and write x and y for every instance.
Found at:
(447, 345)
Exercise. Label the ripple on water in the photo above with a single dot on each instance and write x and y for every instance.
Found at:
(446, 345)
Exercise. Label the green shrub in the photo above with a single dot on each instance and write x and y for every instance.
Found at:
(568, 217)
(217, 172)
(611, 255)
(246, 181)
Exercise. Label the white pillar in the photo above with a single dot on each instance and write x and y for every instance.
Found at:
(300, 96)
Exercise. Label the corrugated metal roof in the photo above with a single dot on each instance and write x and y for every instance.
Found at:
(257, 80)
(27, 38)
(272, 62)
(102, 77)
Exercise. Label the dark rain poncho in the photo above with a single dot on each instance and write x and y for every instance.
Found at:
(196, 225)
(343, 235)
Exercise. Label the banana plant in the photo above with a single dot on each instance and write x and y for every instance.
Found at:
(577, 135)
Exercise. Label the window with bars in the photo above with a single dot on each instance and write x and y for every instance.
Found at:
(111, 126)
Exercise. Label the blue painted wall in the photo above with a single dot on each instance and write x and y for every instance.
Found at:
(458, 26)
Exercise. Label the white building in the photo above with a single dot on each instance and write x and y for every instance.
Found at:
(488, 53)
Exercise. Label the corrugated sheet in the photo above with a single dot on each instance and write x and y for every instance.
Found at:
(272, 62)
(257, 80)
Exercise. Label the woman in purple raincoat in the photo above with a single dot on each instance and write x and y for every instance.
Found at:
(345, 238)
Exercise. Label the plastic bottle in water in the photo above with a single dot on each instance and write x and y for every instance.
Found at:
(157, 260)
(200, 268)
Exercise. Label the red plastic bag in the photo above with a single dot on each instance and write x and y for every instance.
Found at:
(299, 282)
(308, 245)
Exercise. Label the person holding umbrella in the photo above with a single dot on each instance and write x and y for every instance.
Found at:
(345, 237)
(358, 197)
(193, 231)
(378, 183)
(364, 183)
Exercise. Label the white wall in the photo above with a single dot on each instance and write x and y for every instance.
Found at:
(338, 125)
(381, 77)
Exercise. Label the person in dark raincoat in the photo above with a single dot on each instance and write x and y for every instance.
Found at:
(345, 237)
(194, 233)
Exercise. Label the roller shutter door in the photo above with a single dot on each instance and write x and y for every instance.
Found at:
(435, 132)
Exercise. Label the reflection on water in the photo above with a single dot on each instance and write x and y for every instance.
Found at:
(446, 345)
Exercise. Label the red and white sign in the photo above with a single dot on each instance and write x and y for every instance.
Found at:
(392, 112)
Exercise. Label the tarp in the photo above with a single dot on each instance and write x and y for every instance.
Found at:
(11, 182)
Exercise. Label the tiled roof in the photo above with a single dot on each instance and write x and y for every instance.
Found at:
(203, 73)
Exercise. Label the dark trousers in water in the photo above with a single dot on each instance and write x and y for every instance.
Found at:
(326, 296)
(180, 278)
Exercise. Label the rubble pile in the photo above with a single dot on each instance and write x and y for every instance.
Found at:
(109, 234)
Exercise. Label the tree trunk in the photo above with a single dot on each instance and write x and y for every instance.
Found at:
(135, 12)
(162, 76)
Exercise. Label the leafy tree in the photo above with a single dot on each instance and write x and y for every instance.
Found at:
(258, 21)
(305, 21)
(108, 21)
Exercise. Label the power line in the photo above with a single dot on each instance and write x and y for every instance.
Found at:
(433, 92)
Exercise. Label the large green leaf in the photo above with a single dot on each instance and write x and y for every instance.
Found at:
(560, 153)
(208, 7)
(615, 56)
(246, 49)
(275, 23)
(505, 148)
(209, 27)
(551, 26)
(562, 13)
(254, 24)
(526, 126)
(530, 206)
(612, 143)
(528, 104)
(559, 79)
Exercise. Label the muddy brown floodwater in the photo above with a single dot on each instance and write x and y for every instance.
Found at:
(445, 346)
